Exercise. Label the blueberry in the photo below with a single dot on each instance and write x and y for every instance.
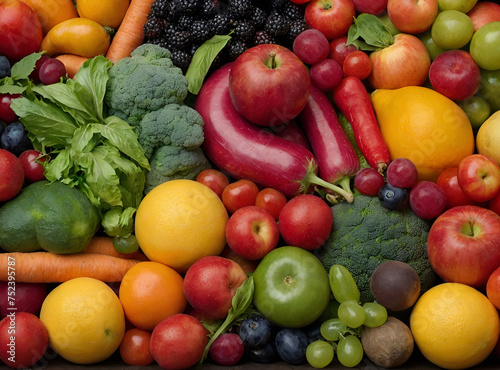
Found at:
(255, 331)
(291, 344)
(263, 355)
(15, 139)
(392, 197)
(4, 67)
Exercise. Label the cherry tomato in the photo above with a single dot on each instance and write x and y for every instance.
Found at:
(134, 348)
(271, 200)
(214, 179)
(455, 196)
(357, 64)
(239, 194)
(33, 169)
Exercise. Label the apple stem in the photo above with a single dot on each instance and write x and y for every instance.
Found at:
(271, 64)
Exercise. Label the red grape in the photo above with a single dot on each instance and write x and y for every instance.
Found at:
(311, 46)
(7, 115)
(402, 173)
(427, 200)
(325, 75)
(35, 75)
(51, 71)
(368, 181)
(339, 49)
(227, 349)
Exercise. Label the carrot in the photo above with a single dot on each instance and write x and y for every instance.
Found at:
(72, 63)
(104, 245)
(130, 34)
(47, 267)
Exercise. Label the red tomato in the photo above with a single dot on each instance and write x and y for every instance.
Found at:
(33, 169)
(239, 194)
(271, 200)
(134, 348)
(455, 196)
(20, 30)
(11, 175)
(214, 179)
(357, 64)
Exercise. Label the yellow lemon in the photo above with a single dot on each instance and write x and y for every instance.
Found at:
(84, 319)
(105, 12)
(488, 137)
(454, 325)
(424, 126)
(180, 221)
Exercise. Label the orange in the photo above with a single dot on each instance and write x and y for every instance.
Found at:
(84, 319)
(52, 12)
(180, 221)
(454, 325)
(424, 126)
(108, 13)
(488, 137)
(150, 292)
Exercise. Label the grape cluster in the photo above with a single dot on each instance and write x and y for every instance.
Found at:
(183, 25)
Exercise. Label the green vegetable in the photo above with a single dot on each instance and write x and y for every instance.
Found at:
(369, 33)
(365, 234)
(171, 138)
(18, 81)
(49, 216)
(144, 82)
(95, 153)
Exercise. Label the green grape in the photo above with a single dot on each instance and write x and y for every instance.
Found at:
(375, 314)
(342, 284)
(332, 328)
(351, 313)
(319, 353)
(350, 351)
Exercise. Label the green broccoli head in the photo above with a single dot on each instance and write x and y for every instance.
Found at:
(172, 125)
(144, 82)
(365, 234)
(174, 162)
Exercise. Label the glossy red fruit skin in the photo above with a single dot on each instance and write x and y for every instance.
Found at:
(33, 170)
(455, 196)
(239, 194)
(427, 200)
(11, 175)
(368, 181)
(214, 179)
(402, 173)
(227, 349)
(7, 115)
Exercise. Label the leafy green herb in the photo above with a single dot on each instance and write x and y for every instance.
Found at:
(369, 33)
(18, 80)
(241, 307)
(202, 60)
(97, 154)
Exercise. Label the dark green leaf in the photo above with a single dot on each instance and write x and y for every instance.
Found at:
(55, 168)
(202, 60)
(371, 30)
(23, 68)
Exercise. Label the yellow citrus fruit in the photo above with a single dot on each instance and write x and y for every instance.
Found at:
(105, 12)
(150, 292)
(84, 319)
(180, 221)
(488, 137)
(454, 325)
(424, 126)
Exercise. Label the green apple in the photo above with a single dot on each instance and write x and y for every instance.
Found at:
(461, 5)
(485, 46)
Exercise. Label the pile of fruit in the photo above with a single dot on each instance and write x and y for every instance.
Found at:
(299, 182)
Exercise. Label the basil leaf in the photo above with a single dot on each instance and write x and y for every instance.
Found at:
(202, 60)
(118, 221)
(82, 141)
(51, 126)
(23, 68)
(55, 168)
(132, 187)
(12, 89)
(373, 32)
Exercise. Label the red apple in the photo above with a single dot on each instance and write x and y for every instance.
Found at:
(252, 232)
(332, 17)
(455, 196)
(410, 16)
(404, 63)
(455, 74)
(374, 7)
(493, 288)
(306, 221)
(23, 339)
(269, 85)
(484, 12)
(210, 284)
(479, 177)
(463, 245)
(178, 342)
(23, 297)
(494, 204)
(11, 175)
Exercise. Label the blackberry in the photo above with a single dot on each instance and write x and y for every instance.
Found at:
(258, 17)
(181, 59)
(236, 48)
(154, 28)
(276, 24)
(220, 24)
(159, 9)
(192, 7)
(244, 31)
(295, 28)
(175, 9)
(209, 8)
(292, 11)
(240, 8)
(262, 37)
(200, 31)
(177, 38)
(277, 4)
(184, 22)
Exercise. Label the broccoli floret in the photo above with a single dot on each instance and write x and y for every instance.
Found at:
(173, 162)
(144, 82)
(172, 125)
(365, 234)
